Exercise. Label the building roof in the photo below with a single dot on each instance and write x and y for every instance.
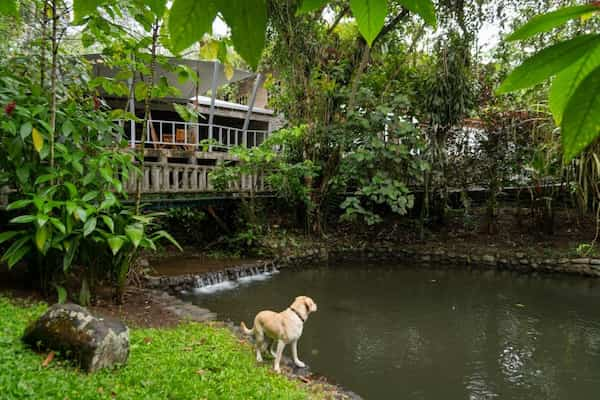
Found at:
(204, 69)
(205, 101)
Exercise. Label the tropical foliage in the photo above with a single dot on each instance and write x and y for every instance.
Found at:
(576, 64)
(383, 115)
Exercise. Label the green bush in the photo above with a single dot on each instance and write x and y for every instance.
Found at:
(69, 200)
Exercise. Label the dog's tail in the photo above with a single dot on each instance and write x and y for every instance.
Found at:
(245, 329)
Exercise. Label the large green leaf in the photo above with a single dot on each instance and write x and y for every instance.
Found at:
(311, 5)
(25, 130)
(4, 236)
(109, 223)
(248, 22)
(80, 213)
(135, 233)
(166, 235)
(548, 62)
(17, 251)
(8, 7)
(42, 235)
(23, 219)
(14, 248)
(549, 21)
(71, 248)
(58, 225)
(41, 219)
(424, 8)
(157, 6)
(89, 226)
(19, 204)
(188, 21)
(83, 8)
(370, 17)
(115, 243)
(566, 82)
(581, 120)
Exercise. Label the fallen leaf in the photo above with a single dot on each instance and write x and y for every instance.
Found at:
(48, 359)
(147, 340)
(200, 372)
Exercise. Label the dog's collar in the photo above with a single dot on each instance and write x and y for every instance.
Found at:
(298, 314)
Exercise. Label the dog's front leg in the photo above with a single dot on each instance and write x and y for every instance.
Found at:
(298, 363)
(280, 347)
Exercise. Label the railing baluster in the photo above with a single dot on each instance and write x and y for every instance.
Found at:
(161, 177)
(210, 137)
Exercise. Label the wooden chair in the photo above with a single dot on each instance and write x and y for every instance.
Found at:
(180, 136)
(167, 137)
(181, 140)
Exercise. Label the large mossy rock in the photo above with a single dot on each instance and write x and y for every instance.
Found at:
(73, 331)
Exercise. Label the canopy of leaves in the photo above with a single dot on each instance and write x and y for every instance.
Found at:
(574, 62)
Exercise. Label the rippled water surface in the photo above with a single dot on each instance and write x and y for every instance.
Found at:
(398, 333)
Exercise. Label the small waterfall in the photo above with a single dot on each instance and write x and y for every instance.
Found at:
(220, 280)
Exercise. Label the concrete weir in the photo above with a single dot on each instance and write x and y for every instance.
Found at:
(187, 282)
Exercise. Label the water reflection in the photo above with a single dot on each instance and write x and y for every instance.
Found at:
(398, 332)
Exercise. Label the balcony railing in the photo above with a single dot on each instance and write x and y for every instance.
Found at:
(194, 136)
(186, 178)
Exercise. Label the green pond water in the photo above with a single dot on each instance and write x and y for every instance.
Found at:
(395, 332)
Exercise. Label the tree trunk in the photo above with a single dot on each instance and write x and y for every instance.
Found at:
(147, 101)
(53, 77)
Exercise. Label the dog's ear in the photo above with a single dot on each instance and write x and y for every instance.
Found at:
(311, 306)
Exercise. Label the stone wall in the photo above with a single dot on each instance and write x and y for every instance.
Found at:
(520, 262)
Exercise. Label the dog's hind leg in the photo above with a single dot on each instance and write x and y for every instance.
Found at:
(298, 363)
(259, 338)
(280, 347)
(273, 348)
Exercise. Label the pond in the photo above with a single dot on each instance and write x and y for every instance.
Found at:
(396, 332)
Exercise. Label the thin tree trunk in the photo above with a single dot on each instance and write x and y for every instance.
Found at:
(44, 17)
(147, 101)
(53, 78)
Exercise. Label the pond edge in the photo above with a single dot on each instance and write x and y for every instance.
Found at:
(519, 262)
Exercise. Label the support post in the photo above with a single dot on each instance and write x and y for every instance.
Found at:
(257, 83)
(213, 97)
(132, 111)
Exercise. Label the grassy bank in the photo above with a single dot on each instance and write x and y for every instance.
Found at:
(191, 361)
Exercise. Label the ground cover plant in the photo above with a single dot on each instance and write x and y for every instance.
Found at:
(190, 361)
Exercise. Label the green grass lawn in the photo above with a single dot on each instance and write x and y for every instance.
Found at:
(192, 361)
